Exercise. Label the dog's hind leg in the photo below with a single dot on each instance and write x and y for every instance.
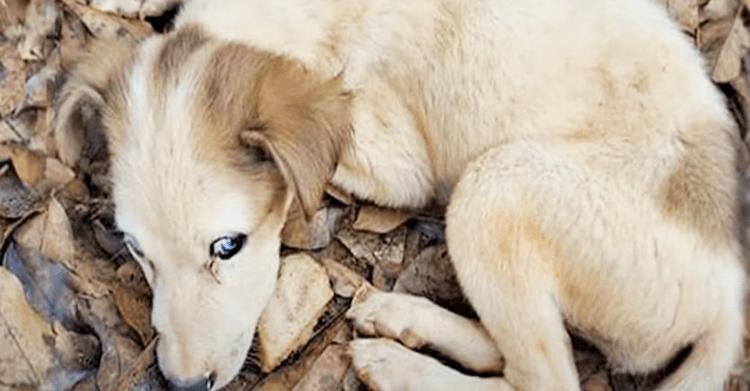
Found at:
(544, 234)
(503, 265)
(711, 357)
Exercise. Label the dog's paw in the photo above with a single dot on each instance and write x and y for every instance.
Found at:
(385, 365)
(391, 315)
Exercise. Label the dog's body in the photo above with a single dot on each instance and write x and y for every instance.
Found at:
(589, 166)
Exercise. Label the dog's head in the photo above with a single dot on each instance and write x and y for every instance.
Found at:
(210, 143)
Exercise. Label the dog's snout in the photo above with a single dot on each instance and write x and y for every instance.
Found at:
(202, 384)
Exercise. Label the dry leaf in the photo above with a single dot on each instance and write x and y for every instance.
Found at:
(12, 77)
(300, 298)
(597, 382)
(29, 165)
(686, 12)
(11, 15)
(39, 87)
(284, 378)
(431, 274)
(386, 251)
(315, 234)
(49, 233)
(133, 300)
(36, 354)
(380, 220)
(141, 373)
(56, 175)
(16, 200)
(723, 38)
(328, 371)
(73, 38)
(118, 351)
(339, 195)
(47, 285)
(41, 18)
(343, 280)
(103, 25)
(728, 63)
(7, 134)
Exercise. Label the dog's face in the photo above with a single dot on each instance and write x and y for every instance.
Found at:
(210, 144)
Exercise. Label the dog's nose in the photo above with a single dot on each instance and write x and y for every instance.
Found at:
(204, 384)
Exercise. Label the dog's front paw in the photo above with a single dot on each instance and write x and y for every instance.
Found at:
(392, 315)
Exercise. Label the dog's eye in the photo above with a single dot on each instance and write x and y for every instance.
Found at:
(226, 247)
(133, 246)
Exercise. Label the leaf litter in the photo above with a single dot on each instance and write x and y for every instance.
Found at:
(75, 308)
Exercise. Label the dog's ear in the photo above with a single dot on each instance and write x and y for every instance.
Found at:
(304, 124)
(84, 95)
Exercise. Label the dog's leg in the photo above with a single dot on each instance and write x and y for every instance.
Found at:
(385, 365)
(504, 264)
(417, 322)
(711, 358)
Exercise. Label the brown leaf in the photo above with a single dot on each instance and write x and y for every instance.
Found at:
(36, 354)
(29, 165)
(284, 378)
(300, 298)
(140, 371)
(686, 12)
(12, 77)
(40, 86)
(315, 234)
(343, 280)
(133, 300)
(728, 63)
(7, 134)
(431, 274)
(49, 233)
(11, 15)
(385, 251)
(380, 220)
(597, 382)
(328, 371)
(41, 18)
(103, 25)
(723, 38)
(56, 175)
(47, 285)
(73, 38)
(118, 351)
(339, 195)
(16, 200)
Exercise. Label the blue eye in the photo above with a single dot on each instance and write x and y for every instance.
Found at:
(226, 247)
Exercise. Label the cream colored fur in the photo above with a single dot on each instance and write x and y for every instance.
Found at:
(587, 162)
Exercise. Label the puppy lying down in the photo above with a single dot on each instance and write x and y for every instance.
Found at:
(589, 169)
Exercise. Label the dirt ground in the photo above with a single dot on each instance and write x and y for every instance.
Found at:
(74, 306)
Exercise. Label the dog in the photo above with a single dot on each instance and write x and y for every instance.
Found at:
(589, 169)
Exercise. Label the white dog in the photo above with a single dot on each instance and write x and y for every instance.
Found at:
(589, 168)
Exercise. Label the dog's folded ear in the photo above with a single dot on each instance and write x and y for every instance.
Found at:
(305, 126)
(83, 97)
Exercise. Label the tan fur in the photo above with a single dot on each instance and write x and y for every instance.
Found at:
(588, 166)
(95, 84)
